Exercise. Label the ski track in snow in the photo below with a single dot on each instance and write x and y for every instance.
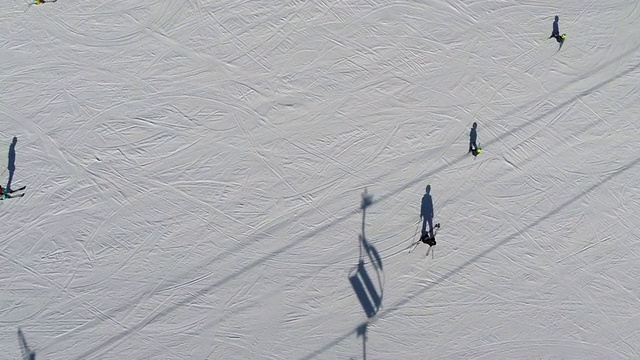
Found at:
(195, 173)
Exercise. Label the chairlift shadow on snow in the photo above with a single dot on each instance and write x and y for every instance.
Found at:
(362, 331)
(27, 353)
(369, 293)
(371, 251)
(505, 134)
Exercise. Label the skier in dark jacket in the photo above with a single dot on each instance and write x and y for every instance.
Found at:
(555, 33)
(429, 239)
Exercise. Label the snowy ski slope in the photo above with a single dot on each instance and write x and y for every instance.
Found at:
(195, 173)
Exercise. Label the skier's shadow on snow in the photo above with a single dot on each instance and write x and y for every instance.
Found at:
(426, 211)
(12, 162)
(368, 292)
(27, 353)
(534, 120)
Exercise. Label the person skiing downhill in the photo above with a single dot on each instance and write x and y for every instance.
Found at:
(6, 194)
(555, 33)
(40, 2)
(427, 238)
(430, 239)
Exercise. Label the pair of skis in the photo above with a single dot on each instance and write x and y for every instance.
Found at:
(8, 196)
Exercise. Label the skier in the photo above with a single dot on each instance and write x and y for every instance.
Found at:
(555, 33)
(6, 194)
(430, 239)
(473, 137)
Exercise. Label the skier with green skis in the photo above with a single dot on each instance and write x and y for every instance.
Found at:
(6, 194)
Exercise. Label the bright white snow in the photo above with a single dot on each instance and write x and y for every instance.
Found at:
(195, 172)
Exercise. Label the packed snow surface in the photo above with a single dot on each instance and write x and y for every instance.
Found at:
(244, 179)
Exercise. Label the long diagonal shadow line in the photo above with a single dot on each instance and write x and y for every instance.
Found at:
(442, 167)
(153, 317)
(457, 269)
(498, 138)
(336, 221)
